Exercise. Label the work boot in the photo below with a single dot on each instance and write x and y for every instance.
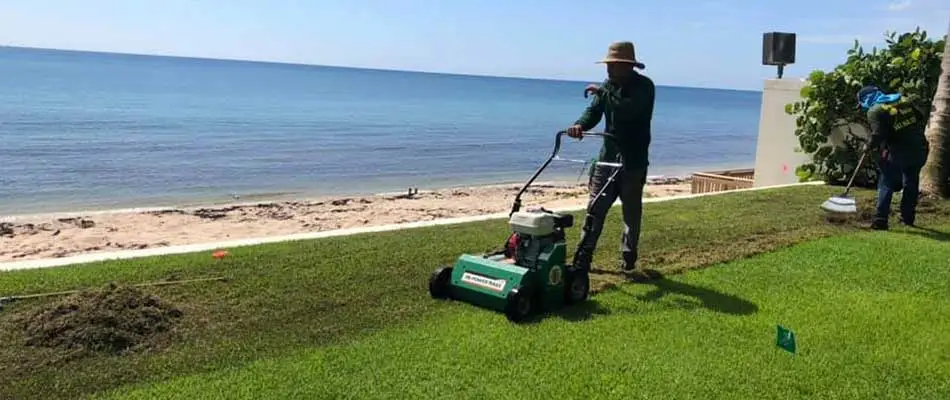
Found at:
(629, 262)
(641, 275)
(907, 221)
(581, 261)
(628, 267)
(879, 225)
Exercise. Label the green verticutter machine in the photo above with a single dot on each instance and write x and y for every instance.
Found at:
(531, 273)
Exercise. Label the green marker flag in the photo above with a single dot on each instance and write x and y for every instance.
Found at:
(785, 339)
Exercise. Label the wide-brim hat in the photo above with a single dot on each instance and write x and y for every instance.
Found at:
(622, 52)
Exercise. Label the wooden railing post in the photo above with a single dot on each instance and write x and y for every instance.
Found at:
(718, 181)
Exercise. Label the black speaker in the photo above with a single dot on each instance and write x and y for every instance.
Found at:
(778, 48)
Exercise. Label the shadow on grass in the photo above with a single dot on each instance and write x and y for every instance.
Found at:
(708, 298)
(582, 312)
(928, 233)
(662, 287)
(585, 311)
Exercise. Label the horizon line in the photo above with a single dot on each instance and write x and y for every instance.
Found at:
(303, 64)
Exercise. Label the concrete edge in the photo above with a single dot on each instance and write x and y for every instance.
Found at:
(199, 247)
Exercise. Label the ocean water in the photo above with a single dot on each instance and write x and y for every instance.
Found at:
(82, 130)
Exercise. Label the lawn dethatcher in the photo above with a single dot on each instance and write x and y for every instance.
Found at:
(531, 273)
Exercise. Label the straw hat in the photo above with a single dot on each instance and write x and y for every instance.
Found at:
(622, 52)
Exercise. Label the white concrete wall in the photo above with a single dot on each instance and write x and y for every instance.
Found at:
(775, 155)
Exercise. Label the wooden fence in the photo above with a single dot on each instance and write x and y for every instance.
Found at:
(718, 181)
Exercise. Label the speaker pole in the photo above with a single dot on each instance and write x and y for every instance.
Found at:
(778, 49)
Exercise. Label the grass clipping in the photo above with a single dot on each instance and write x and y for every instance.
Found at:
(112, 320)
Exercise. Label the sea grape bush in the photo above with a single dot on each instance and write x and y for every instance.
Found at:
(909, 64)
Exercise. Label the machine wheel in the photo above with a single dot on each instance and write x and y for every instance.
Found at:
(520, 304)
(439, 283)
(577, 287)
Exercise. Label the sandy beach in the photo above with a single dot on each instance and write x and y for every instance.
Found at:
(68, 234)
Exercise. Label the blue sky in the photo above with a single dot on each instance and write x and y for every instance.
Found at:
(704, 43)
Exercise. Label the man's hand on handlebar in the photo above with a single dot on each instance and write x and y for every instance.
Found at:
(576, 132)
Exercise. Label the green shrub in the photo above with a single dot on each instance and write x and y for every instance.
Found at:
(909, 64)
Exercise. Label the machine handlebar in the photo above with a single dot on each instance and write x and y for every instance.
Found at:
(557, 149)
(557, 140)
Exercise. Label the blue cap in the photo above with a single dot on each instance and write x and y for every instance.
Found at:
(870, 95)
(867, 95)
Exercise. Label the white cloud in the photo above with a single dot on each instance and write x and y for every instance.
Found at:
(832, 39)
(899, 5)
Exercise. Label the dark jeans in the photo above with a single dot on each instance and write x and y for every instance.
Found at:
(896, 175)
(628, 185)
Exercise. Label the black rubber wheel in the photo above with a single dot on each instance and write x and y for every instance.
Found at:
(439, 283)
(577, 287)
(520, 304)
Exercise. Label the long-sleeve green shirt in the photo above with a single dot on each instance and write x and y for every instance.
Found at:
(627, 109)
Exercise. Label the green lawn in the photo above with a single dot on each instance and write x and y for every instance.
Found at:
(360, 305)
(871, 313)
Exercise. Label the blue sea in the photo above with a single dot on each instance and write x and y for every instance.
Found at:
(82, 130)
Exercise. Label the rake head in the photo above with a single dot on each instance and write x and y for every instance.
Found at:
(840, 205)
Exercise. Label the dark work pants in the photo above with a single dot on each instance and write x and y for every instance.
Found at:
(628, 186)
(896, 175)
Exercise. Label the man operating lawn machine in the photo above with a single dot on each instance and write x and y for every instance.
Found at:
(531, 273)
(625, 102)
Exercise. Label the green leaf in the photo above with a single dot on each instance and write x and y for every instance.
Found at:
(806, 91)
